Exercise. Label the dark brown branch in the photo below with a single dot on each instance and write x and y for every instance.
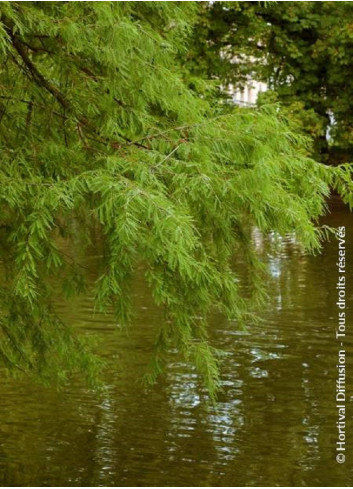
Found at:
(60, 97)
(37, 75)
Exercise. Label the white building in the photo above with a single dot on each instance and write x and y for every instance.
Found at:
(248, 95)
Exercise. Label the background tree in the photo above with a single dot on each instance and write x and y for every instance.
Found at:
(103, 144)
(303, 50)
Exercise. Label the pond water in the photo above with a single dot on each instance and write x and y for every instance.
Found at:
(275, 422)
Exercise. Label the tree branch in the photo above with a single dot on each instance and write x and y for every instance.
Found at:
(41, 80)
(37, 75)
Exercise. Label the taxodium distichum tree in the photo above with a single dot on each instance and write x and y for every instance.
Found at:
(99, 131)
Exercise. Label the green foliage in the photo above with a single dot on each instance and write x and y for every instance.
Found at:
(303, 50)
(100, 136)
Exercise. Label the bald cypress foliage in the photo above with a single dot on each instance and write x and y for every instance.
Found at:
(99, 132)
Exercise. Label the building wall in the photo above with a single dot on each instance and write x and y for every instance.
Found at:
(248, 95)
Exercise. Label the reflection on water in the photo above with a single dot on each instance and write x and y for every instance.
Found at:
(275, 423)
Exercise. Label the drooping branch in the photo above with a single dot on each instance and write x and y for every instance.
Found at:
(37, 75)
(42, 81)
